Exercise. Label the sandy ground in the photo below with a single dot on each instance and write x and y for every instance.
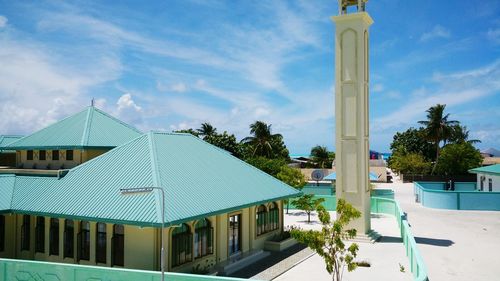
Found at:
(384, 256)
(455, 245)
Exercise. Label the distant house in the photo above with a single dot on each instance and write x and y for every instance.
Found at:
(488, 178)
(62, 202)
(7, 157)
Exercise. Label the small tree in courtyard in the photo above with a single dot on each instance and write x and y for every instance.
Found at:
(293, 177)
(308, 204)
(329, 243)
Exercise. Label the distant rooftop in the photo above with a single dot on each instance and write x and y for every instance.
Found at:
(493, 169)
(90, 128)
(8, 139)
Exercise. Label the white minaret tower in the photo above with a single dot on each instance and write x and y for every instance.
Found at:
(351, 109)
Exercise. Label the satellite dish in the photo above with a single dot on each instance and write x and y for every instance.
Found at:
(317, 175)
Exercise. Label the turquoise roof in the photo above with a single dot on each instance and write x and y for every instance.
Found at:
(333, 176)
(198, 180)
(493, 169)
(6, 140)
(90, 128)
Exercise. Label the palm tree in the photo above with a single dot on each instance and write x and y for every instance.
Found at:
(460, 134)
(320, 155)
(261, 139)
(206, 130)
(437, 126)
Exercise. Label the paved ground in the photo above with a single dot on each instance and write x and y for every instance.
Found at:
(384, 256)
(455, 245)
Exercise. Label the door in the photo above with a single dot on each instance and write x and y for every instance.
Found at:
(234, 234)
(490, 185)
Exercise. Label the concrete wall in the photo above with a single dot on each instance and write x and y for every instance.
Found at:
(142, 244)
(494, 179)
(79, 156)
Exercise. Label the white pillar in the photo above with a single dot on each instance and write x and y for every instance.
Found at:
(351, 113)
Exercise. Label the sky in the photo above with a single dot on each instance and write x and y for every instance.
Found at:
(171, 65)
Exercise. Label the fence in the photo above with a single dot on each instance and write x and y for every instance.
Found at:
(437, 178)
(464, 197)
(15, 270)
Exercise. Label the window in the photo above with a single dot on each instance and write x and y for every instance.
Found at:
(83, 241)
(55, 154)
(2, 233)
(100, 247)
(273, 217)
(42, 155)
(40, 235)
(118, 245)
(69, 155)
(69, 239)
(29, 155)
(490, 185)
(182, 241)
(25, 233)
(54, 237)
(203, 238)
(261, 219)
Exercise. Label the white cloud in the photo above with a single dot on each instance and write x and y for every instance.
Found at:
(494, 35)
(125, 102)
(179, 87)
(393, 95)
(437, 32)
(377, 88)
(3, 21)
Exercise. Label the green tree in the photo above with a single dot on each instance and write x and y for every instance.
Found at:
(322, 157)
(206, 130)
(263, 142)
(269, 166)
(225, 141)
(460, 134)
(413, 141)
(307, 203)
(409, 163)
(457, 159)
(437, 126)
(329, 243)
(293, 177)
(188, 131)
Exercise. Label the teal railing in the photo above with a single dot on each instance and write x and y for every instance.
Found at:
(464, 197)
(15, 270)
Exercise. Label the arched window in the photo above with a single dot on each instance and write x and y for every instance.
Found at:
(118, 245)
(203, 238)
(261, 219)
(40, 235)
(273, 217)
(100, 246)
(54, 237)
(182, 241)
(69, 239)
(83, 242)
(25, 233)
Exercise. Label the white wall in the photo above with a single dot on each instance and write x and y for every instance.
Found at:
(495, 181)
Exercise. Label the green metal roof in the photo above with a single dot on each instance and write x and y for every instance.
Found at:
(493, 169)
(198, 180)
(6, 189)
(6, 140)
(90, 128)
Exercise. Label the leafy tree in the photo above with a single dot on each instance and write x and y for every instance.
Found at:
(457, 159)
(329, 243)
(322, 156)
(263, 142)
(409, 163)
(293, 177)
(225, 141)
(206, 130)
(270, 166)
(413, 141)
(308, 204)
(188, 131)
(460, 134)
(437, 126)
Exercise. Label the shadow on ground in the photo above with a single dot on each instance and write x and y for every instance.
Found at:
(434, 242)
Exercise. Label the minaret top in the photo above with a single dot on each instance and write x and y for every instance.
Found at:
(343, 4)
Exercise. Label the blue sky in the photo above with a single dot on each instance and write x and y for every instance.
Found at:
(169, 65)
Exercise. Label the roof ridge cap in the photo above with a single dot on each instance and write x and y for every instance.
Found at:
(118, 120)
(13, 190)
(155, 173)
(88, 124)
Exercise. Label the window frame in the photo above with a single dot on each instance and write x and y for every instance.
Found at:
(55, 155)
(261, 220)
(70, 152)
(100, 243)
(44, 153)
(26, 233)
(203, 239)
(54, 237)
(28, 154)
(182, 246)
(118, 246)
(69, 239)
(83, 241)
(40, 235)
(490, 184)
(273, 217)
